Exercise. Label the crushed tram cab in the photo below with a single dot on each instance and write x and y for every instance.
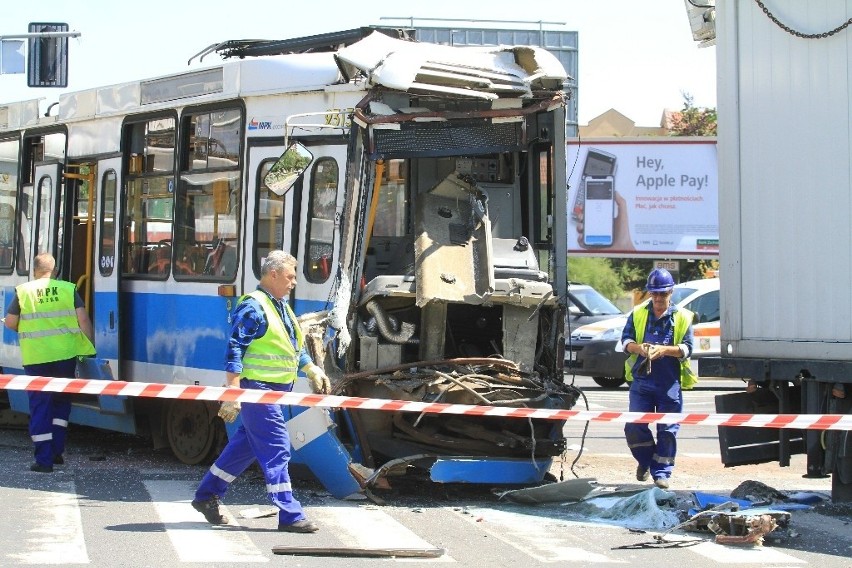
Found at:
(421, 188)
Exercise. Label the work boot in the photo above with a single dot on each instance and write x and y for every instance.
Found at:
(210, 510)
(41, 468)
(58, 460)
(662, 483)
(303, 526)
(642, 473)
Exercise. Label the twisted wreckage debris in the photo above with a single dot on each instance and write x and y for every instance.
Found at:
(753, 511)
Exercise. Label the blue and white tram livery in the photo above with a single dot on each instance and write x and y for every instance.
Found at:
(422, 190)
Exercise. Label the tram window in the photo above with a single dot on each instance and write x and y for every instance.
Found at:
(269, 224)
(214, 140)
(25, 229)
(46, 200)
(106, 258)
(206, 230)
(147, 231)
(54, 146)
(209, 195)
(160, 145)
(323, 204)
(9, 152)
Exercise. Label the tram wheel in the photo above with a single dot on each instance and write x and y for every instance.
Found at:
(191, 430)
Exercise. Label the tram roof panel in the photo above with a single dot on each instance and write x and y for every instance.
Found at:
(285, 73)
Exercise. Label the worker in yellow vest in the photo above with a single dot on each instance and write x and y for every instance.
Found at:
(658, 338)
(53, 329)
(265, 350)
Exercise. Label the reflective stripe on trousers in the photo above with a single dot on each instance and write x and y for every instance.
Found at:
(262, 435)
(49, 412)
(646, 395)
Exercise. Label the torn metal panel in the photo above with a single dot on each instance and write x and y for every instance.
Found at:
(520, 331)
(561, 492)
(452, 247)
(433, 330)
(521, 292)
(482, 72)
(316, 445)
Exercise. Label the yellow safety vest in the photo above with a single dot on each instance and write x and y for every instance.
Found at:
(683, 318)
(272, 358)
(48, 328)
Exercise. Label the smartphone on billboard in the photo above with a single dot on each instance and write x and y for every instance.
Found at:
(598, 211)
(598, 164)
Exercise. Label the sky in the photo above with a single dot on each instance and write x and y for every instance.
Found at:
(635, 56)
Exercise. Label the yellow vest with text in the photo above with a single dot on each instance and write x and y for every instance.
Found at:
(48, 329)
(683, 318)
(272, 358)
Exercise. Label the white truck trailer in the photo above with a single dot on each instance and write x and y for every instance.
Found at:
(785, 225)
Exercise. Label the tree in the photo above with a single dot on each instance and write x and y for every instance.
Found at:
(597, 273)
(693, 121)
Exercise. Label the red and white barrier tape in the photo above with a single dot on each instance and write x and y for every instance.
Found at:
(191, 392)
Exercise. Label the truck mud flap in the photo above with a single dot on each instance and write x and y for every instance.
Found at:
(748, 445)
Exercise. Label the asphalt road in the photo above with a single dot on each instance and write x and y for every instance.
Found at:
(119, 503)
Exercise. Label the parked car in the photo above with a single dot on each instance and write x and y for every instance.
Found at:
(594, 350)
(587, 305)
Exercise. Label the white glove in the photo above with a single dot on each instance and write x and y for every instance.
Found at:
(229, 410)
(319, 381)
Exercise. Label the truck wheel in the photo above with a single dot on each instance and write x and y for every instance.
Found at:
(609, 382)
(191, 430)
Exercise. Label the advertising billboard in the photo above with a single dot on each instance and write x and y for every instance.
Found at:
(643, 197)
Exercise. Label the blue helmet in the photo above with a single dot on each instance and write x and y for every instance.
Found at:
(660, 280)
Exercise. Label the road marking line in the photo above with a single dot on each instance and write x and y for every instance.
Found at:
(536, 537)
(728, 554)
(193, 539)
(367, 527)
(57, 537)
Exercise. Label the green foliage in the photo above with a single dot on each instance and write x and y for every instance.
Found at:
(693, 121)
(597, 273)
(699, 269)
(632, 272)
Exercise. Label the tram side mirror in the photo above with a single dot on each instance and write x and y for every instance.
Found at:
(288, 169)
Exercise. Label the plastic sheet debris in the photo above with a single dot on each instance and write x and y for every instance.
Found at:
(649, 509)
(705, 501)
(807, 498)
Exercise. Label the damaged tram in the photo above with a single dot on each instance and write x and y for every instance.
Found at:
(421, 187)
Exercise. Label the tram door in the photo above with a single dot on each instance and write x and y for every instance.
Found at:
(318, 245)
(268, 227)
(305, 222)
(105, 270)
